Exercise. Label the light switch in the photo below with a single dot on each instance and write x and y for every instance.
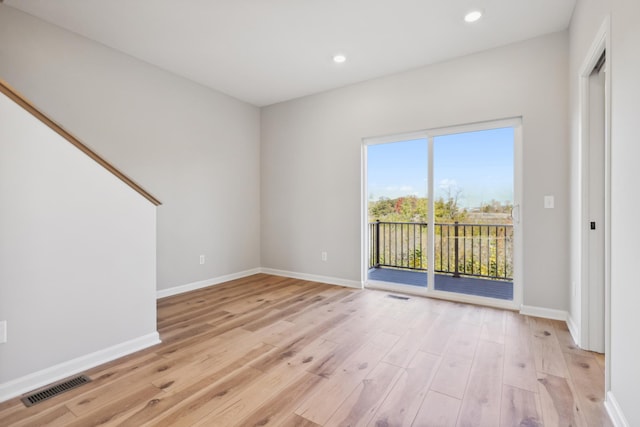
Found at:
(548, 202)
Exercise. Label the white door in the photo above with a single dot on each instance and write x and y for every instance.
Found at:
(596, 182)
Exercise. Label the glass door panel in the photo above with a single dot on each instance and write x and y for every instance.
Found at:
(398, 210)
(473, 187)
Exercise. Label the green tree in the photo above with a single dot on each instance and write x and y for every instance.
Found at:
(381, 209)
(401, 209)
(447, 210)
(495, 206)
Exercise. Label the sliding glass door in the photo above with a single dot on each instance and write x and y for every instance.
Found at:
(442, 212)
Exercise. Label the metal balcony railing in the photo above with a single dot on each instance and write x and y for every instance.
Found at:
(480, 250)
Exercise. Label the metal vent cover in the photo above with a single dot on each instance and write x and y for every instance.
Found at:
(398, 297)
(54, 390)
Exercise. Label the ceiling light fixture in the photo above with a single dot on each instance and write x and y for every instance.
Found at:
(473, 16)
(339, 59)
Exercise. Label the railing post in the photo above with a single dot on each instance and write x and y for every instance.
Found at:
(456, 272)
(377, 233)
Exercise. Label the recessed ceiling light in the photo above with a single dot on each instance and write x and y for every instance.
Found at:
(339, 59)
(473, 16)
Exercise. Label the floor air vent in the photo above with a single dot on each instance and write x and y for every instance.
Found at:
(398, 297)
(54, 390)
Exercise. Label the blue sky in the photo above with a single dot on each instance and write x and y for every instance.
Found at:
(478, 165)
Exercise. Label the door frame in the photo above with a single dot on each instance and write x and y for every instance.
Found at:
(429, 135)
(600, 45)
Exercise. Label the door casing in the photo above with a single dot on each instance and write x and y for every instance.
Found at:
(600, 45)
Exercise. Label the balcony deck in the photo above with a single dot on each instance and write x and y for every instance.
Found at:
(499, 289)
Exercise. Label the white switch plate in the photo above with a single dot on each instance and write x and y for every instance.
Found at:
(201, 259)
(548, 202)
(3, 331)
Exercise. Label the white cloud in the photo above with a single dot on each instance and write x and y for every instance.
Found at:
(399, 188)
(446, 184)
(393, 191)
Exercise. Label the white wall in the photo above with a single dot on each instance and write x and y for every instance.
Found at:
(625, 205)
(194, 149)
(77, 258)
(311, 155)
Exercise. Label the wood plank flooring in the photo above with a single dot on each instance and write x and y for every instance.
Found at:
(273, 351)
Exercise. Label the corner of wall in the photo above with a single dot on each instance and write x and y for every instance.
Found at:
(574, 330)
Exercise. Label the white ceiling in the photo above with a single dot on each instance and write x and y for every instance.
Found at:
(268, 51)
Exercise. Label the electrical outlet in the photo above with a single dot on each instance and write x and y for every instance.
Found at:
(3, 331)
(324, 256)
(201, 259)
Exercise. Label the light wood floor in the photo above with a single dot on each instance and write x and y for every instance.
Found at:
(270, 351)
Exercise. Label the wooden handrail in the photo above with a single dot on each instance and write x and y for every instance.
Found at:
(28, 106)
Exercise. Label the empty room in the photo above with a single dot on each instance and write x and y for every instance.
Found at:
(302, 213)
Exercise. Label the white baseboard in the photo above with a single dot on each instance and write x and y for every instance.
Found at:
(162, 293)
(313, 278)
(545, 313)
(13, 388)
(615, 411)
(574, 330)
